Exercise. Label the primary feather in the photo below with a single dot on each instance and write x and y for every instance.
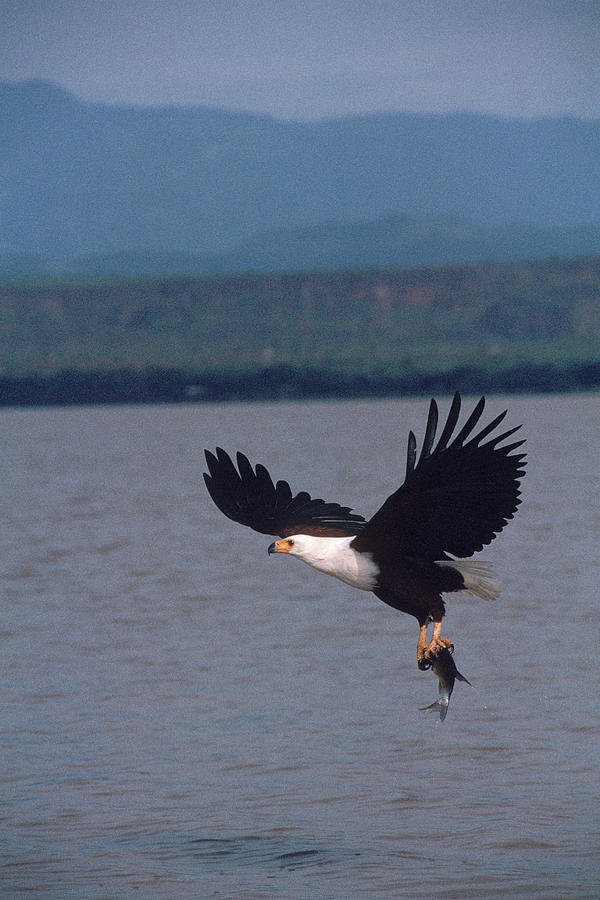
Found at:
(456, 498)
(249, 497)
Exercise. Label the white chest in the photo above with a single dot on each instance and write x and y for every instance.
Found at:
(335, 556)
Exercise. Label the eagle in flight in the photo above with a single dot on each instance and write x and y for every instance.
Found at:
(455, 498)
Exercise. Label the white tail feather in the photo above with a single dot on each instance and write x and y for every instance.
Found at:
(479, 578)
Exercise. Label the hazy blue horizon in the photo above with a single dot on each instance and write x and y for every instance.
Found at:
(233, 110)
(516, 58)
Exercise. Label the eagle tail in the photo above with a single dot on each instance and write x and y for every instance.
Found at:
(479, 578)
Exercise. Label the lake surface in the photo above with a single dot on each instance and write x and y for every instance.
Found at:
(183, 716)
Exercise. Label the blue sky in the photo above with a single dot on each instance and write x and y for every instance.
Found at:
(313, 59)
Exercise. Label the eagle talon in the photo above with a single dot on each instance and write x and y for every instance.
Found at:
(427, 654)
(437, 644)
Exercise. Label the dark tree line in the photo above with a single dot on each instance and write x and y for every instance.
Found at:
(158, 385)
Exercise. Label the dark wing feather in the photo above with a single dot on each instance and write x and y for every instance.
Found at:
(458, 496)
(248, 496)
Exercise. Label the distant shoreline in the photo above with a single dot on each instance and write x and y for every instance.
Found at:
(519, 327)
(171, 385)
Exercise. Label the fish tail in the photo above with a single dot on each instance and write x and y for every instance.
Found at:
(437, 705)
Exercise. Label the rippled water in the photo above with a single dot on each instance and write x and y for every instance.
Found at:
(183, 716)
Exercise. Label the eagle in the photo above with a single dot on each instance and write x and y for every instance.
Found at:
(456, 497)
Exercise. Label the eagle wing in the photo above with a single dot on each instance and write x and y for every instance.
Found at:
(455, 498)
(248, 496)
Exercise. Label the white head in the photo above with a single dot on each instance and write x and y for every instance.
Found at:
(332, 555)
(304, 546)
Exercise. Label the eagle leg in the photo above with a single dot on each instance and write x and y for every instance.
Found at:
(428, 649)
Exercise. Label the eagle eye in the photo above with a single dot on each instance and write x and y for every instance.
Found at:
(290, 542)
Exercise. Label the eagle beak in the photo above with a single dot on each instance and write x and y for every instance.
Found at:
(279, 547)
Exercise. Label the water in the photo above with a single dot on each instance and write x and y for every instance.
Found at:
(183, 716)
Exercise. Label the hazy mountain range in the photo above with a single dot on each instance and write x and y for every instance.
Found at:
(110, 190)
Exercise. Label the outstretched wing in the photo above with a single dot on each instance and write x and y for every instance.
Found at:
(456, 497)
(248, 496)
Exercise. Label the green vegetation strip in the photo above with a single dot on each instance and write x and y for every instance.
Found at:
(527, 326)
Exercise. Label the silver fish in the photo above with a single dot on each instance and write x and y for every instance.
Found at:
(443, 666)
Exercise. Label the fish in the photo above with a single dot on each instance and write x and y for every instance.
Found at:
(444, 667)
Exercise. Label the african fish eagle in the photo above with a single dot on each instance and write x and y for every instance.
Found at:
(456, 497)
